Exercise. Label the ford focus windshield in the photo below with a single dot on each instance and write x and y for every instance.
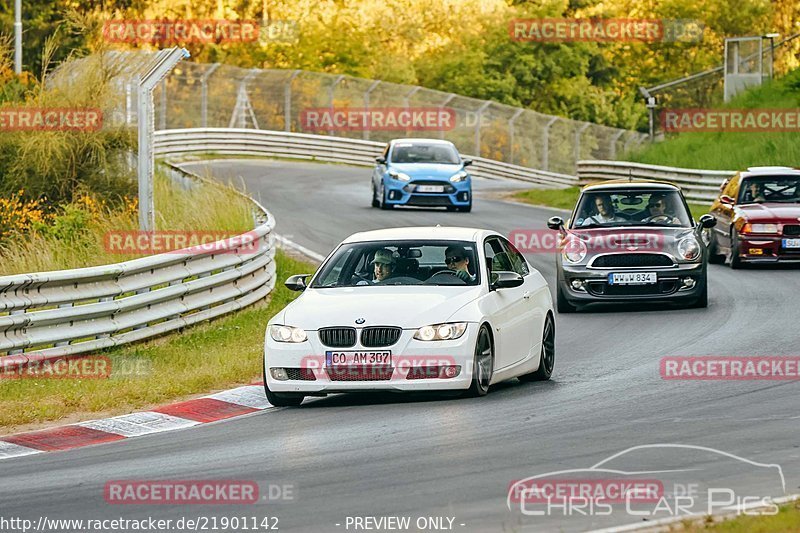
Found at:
(425, 153)
(400, 263)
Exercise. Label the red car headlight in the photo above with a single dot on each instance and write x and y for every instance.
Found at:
(766, 229)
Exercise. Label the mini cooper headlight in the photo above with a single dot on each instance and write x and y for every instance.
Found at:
(689, 249)
(574, 250)
(399, 175)
(441, 332)
(287, 334)
(760, 228)
(460, 176)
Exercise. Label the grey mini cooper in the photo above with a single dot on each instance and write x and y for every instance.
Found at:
(631, 241)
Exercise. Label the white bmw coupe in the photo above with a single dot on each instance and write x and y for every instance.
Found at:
(412, 309)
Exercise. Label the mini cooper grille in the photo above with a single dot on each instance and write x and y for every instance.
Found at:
(338, 337)
(374, 337)
(360, 373)
(631, 260)
(791, 229)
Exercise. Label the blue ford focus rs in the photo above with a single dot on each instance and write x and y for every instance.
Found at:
(422, 172)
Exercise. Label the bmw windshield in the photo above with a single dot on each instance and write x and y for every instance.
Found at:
(400, 263)
(605, 209)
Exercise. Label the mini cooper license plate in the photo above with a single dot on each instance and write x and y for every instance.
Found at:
(429, 188)
(380, 357)
(791, 243)
(632, 278)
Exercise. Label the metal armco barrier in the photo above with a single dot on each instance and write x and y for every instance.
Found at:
(267, 143)
(48, 315)
(697, 185)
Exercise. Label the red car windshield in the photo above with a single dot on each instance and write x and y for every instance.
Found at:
(782, 189)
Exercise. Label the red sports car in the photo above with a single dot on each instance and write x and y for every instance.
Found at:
(758, 217)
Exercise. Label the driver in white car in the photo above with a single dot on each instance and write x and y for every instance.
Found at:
(457, 260)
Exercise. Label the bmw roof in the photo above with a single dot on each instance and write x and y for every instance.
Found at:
(771, 171)
(446, 233)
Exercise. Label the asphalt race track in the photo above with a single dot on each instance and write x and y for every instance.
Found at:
(388, 455)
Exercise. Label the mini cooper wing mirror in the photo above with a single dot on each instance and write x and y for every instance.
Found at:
(503, 279)
(467, 162)
(726, 200)
(380, 160)
(556, 223)
(708, 221)
(296, 282)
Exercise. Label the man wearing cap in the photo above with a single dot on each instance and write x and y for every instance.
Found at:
(457, 260)
(383, 265)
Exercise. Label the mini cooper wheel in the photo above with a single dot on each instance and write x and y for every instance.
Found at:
(547, 357)
(482, 364)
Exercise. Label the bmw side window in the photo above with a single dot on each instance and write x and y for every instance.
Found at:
(518, 263)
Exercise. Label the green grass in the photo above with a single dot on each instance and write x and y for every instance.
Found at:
(216, 355)
(566, 199)
(787, 520)
(734, 150)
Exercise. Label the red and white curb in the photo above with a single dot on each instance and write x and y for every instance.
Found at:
(220, 406)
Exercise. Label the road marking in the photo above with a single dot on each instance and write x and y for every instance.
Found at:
(8, 449)
(302, 249)
(137, 424)
(249, 396)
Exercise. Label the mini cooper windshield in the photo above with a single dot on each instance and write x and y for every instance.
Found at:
(612, 208)
(400, 263)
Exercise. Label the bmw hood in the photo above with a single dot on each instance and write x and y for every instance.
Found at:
(426, 170)
(407, 307)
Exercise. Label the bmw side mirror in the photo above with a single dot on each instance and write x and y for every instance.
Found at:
(467, 162)
(380, 160)
(726, 200)
(504, 279)
(296, 282)
(708, 221)
(555, 223)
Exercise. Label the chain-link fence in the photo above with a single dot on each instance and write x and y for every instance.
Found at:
(215, 95)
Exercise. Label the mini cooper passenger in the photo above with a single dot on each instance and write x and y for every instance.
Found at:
(412, 309)
(631, 241)
(759, 218)
(422, 172)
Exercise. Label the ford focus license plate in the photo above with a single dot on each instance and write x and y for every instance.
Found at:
(632, 278)
(430, 188)
(379, 357)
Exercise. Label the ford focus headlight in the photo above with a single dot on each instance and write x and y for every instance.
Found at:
(399, 175)
(460, 176)
(287, 334)
(441, 332)
(689, 249)
(574, 250)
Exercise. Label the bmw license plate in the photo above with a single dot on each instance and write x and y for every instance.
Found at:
(632, 278)
(429, 188)
(379, 357)
(791, 243)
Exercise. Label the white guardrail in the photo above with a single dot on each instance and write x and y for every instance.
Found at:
(267, 143)
(49, 315)
(697, 185)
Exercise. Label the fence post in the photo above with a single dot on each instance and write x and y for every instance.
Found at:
(366, 104)
(612, 151)
(408, 95)
(546, 143)
(287, 101)
(511, 135)
(330, 96)
(441, 106)
(204, 94)
(578, 134)
(162, 119)
(478, 127)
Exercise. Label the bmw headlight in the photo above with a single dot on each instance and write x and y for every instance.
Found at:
(460, 176)
(574, 250)
(441, 332)
(287, 333)
(760, 228)
(399, 175)
(689, 249)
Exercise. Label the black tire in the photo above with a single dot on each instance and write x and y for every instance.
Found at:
(375, 202)
(714, 257)
(281, 399)
(482, 364)
(451, 208)
(382, 202)
(735, 261)
(547, 355)
(702, 300)
(562, 304)
(466, 208)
